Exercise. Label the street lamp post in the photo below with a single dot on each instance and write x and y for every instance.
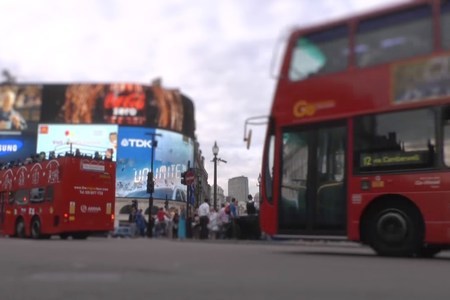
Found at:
(215, 150)
(150, 178)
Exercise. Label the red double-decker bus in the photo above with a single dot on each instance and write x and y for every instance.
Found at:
(71, 195)
(358, 143)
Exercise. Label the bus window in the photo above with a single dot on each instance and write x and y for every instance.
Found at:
(320, 53)
(447, 136)
(269, 165)
(386, 141)
(294, 178)
(37, 195)
(49, 193)
(394, 36)
(445, 24)
(22, 196)
(11, 197)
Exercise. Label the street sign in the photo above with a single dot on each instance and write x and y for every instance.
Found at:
(190, 177)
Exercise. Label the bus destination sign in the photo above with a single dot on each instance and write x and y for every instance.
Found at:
(384, 159)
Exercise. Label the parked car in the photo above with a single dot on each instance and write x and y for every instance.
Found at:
(122, 231)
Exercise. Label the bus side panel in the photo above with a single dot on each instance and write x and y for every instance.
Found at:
(90, 199)
(428, 189)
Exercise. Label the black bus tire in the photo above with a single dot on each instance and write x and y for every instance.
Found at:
(394, 230)
(36, 228)
(20, 228)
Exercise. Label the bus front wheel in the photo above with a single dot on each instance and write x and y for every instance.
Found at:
(20, 229)
(395, 230)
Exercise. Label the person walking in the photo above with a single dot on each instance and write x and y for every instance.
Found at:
(141, 224)
(182, 224)
(203, 213)
(234, 218)
(213, 224)
(224, 221)
(175, 224)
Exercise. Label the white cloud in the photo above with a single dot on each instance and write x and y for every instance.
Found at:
(217, 52)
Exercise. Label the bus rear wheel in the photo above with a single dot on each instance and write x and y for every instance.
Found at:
(36, 229)
(395, 230)
(20, 229)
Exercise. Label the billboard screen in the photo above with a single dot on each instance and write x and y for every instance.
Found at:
(17, 146)
(118, 103)
(172, 153)
(20, 108)
(68, 137)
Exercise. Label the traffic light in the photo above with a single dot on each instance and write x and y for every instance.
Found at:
(150, 183)
(183, 178)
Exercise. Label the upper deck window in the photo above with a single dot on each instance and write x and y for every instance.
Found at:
(445, 24)
(394, 36)
(319, 53)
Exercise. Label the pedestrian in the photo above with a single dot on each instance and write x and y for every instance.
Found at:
(175, 224)
(224, 221)
(213, 224)
(234, 218)
(251, 209)
(132, 219)
(140, 223)
(182, 224)
(161, 219)
(203, 213)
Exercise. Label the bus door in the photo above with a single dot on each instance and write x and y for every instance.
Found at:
(313, 190)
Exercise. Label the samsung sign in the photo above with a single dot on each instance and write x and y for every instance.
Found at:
(10, 146)
(136, 143)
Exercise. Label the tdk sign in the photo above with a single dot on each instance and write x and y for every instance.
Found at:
(136, 143)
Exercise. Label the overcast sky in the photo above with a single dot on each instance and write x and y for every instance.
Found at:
(218, 53)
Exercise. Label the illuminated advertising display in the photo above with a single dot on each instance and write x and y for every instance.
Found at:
(118, 103)
(17, 146)
(20, 108)
(68, 137)
(172, 153)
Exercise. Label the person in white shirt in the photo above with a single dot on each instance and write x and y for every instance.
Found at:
(203, 213)
(213, 224)
(224, 220)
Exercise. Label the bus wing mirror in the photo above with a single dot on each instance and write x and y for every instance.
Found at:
(248, 139)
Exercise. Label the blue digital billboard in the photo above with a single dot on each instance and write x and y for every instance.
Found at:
(172, 153)
(17, 146)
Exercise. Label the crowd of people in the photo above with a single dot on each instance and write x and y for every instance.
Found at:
(206, 222)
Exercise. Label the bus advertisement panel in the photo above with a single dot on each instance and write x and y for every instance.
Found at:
(171, 155)
(67, 138)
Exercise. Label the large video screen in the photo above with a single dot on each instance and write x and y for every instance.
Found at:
(88, 139)
(171, 156)
(17, 147)
(118, 103)
(20, 108)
